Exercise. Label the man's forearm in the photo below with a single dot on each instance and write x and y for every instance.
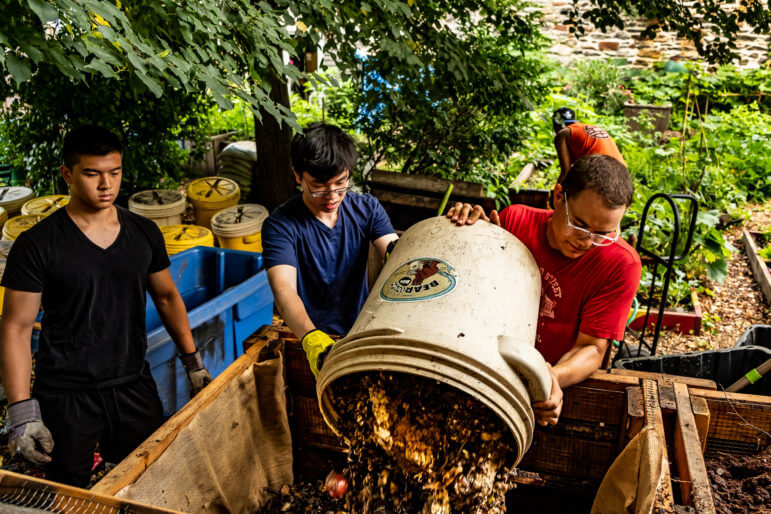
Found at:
(292, 310)
(15, 362)
(577, 365)
(174, 317)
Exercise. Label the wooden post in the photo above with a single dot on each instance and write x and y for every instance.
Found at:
(664, 497)
(634, 416)
(694, 482)
(702, 417)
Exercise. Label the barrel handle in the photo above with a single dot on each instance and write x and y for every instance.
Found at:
(529, 364)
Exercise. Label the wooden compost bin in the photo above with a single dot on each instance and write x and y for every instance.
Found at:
(599, 417)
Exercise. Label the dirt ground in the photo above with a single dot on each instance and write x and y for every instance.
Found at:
(741, 484)
(735, 304)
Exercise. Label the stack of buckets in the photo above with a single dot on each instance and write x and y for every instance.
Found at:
(163, 206)
(32, 211)
(240, 227)
(12, 198)
(5, 247)
(210, 195)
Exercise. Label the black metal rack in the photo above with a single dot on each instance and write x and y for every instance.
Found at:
(667, 261)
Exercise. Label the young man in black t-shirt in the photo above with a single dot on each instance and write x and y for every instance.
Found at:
(90, 265)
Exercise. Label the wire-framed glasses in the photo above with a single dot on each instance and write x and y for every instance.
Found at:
(597, 239)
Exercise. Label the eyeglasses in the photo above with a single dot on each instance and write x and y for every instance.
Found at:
(328, 192)
(597, 239)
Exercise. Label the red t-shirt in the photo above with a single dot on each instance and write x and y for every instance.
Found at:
(589, 139)
(591, 294)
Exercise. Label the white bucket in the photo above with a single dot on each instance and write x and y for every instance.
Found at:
(458, 305)
(163, 206)
(12, 198)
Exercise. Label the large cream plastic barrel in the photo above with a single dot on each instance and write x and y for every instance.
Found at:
(240, 227)
(182, 237)
(15, 226)
(5, 247)
(210, 195)
(45, 205)
(458, 305)
(12, 198)
(163, 206)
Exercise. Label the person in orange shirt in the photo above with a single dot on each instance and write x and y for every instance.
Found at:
(574, 139)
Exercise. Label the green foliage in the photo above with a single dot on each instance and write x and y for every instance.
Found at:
(721, 90)
(597, 82)
(443, 84)
(153, 46)
(150, 127)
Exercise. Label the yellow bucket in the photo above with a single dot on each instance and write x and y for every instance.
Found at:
(15, 226)
(240, 227)
(5, 247)
(45, 205)
(182, 237)
(210, 195)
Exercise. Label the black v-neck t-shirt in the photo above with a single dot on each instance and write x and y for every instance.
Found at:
(93, 327)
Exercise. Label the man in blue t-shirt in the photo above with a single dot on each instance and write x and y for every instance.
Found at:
(317, 243)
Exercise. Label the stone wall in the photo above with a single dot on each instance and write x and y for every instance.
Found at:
(753, 49)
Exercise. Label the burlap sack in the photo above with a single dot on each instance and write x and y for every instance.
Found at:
(233, 449)
(631, 483)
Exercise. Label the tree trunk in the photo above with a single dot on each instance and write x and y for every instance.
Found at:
(274, 182)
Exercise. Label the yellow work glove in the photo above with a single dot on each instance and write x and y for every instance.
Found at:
(316, 345)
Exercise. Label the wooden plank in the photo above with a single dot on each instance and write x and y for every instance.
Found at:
(407, 199)
(700, 383)
(524, 175)
(63, 498)
(634, 416)
(701, 416)
(132, 467)
(664, 497)
(759, 269)
(694, 482)
(423, 183)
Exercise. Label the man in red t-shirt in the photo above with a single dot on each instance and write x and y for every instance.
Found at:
(574, 139)
(589, 275)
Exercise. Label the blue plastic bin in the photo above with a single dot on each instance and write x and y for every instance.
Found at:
(227, 297)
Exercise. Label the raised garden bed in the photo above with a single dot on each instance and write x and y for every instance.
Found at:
(680, 321)
(760, 268)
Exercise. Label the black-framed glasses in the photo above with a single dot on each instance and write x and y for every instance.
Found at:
(597, 239)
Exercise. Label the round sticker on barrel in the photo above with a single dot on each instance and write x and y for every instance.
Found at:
(419, 279)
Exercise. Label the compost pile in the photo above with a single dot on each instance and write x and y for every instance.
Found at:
(417, 445)
(741, 484)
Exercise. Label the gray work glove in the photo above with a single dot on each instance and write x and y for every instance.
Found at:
(26, 428)
(197, 373)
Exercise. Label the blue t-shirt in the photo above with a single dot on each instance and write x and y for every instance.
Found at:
(331, 263)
